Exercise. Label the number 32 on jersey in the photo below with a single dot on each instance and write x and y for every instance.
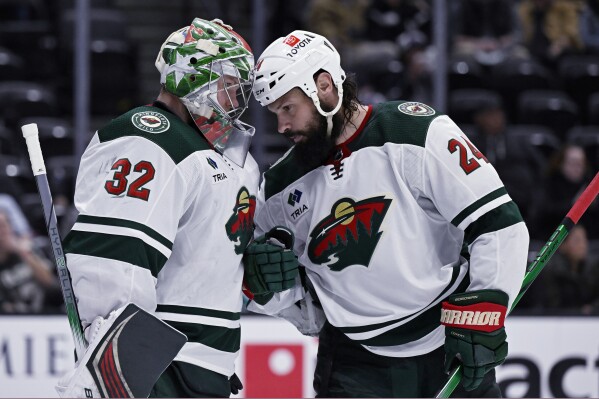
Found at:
(119, 183)
(468, 163)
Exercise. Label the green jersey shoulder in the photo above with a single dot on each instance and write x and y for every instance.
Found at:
(174, 136)
(399, 122)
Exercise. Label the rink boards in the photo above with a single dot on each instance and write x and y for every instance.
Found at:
(549, 357)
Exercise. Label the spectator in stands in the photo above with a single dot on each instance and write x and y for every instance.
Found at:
(25, 277)
(570, 281)
(395, 33)
(405, 24)
(568, 175)
(16, 217)
(550, 28)
(513, 162)
(342, 22)
(417, 58)
(390, 19)
(589, 26)
(486, 31)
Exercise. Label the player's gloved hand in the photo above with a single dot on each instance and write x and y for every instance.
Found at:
(474, 333)
(269, 262)
(236, 384)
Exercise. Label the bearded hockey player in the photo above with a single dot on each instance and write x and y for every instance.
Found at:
(166, 197)
(411, 246)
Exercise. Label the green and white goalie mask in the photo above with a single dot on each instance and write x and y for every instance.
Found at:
(210, 68)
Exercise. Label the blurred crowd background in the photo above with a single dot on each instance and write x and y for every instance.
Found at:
(522, 82)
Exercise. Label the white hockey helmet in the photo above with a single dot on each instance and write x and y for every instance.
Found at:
(291, 62)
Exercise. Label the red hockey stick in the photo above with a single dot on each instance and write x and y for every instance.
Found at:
(578, 209)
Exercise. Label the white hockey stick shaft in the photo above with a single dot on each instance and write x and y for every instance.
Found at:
(31, 135)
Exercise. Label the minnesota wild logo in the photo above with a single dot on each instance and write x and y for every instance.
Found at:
(240, 226)
(349, 234)
(150, 122)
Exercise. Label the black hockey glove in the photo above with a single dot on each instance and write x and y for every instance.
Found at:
(474, 333)
(269, 262)
(236, 384)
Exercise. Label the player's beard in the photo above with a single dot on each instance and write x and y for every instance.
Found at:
(314, 150)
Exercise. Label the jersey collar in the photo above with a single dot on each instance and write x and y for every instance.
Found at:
(342, 151)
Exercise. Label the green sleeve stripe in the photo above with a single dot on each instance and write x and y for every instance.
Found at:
(496, 219)
(372, 327)
(188, 310)
(493, 195)
(220, 338)
(121, 248)
(127, 224)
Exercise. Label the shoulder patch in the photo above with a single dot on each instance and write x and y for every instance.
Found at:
(416, 109)
(150, 122)
(387, 125)
(173, 135)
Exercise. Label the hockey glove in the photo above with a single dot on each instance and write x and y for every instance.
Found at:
(269, 262)
(474, 333)
(236, 384)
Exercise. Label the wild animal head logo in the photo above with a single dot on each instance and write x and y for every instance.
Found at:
(349, 234)
(240, 226)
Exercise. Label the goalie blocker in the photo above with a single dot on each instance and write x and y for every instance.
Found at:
(127, 354)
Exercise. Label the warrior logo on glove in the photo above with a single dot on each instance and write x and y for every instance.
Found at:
(349, 234)
(240, 226)
(474, 333)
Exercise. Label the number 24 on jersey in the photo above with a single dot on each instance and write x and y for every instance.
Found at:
(467, 163)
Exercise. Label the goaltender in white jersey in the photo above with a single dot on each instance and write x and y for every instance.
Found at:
(166, 197)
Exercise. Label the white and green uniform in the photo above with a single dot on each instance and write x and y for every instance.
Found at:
(405, 213)
(163, 222)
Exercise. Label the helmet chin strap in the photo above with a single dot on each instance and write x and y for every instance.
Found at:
(329, 115)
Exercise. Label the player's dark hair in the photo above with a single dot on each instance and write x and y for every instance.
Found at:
(350, 100)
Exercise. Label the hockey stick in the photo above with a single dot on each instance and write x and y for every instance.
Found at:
(30, 133)
(573, 216)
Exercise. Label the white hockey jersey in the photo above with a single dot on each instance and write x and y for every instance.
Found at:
(405, 213)
(163, 222)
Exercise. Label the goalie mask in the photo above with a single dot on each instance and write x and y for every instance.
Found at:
(210, 68)
(291, 62)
